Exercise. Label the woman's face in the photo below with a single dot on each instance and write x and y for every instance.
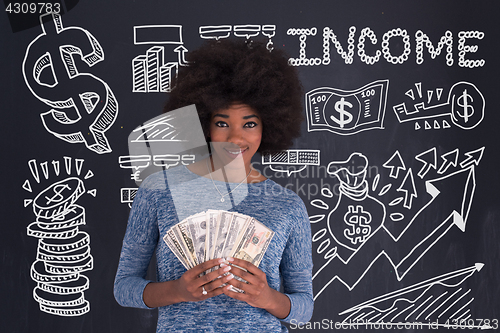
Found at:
(236, 133)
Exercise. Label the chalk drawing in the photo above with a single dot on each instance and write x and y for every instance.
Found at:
(292, 160)
(302, 59)
(169, 140)
(421, 38)
(347, 112)
(81, 102)
(346, 51)
(140, 162)
(128, 194)
(158, 34)
(463, 49)
(150, 71)
(436, 302)
(464, 107)
(63, 252)
(246, 31)
(349, 236)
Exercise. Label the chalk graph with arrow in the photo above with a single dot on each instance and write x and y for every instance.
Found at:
(436, 302)
(445, 191)
(150, 71)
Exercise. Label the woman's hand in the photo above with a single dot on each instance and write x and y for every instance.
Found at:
(257, 292)
(190, 286)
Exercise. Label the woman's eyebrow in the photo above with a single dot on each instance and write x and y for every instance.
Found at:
(221, 115)
(251, 116)
(227, 116)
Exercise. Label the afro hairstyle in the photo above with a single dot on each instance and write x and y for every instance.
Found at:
(221, 73)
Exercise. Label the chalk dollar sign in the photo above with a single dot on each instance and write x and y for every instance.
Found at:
(58, 189)
(358, 221)
(81, 103)
(340, 108)
(464, 103)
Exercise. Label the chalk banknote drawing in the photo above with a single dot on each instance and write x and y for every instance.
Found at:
(347, 112)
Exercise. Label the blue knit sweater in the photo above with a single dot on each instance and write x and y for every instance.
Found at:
(166, 198)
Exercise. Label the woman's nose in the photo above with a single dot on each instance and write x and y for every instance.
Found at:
(235, 136)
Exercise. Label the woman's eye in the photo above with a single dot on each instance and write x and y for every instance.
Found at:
(251, 124)
(220, 124)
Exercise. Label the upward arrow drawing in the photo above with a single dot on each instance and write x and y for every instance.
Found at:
(408, 187)
(429, 159)
(395, 163)
(181, 50)
(449, 159)
(473, 157)
(398, 294)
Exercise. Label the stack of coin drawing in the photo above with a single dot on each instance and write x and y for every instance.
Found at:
(218, 234)
(63, 250)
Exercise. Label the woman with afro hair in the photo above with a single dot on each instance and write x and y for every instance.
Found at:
(248, 100)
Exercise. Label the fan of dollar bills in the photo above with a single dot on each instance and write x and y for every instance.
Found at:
(218, 234)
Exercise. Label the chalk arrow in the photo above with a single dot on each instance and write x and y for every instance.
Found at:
(395, 163)
(408, 187)
(449, 159)
(473, 157)
(448, 278)
(181, 50)
(467, 189)
(429, 159)
(450, 203)
(455, 207)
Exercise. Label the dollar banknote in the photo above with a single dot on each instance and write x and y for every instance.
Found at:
(186, 242)
(238, 223)
(175, 247)
(218, 234)
(253, 243)
(213, 225)
(197, 226)
(222, 230)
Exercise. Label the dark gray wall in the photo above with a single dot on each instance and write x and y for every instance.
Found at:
(402, 229)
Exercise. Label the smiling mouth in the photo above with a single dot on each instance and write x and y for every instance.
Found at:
(236, 152)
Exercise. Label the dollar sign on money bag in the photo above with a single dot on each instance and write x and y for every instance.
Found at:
(358, 221)
(81, 102)
(467, 105)
(357, 215)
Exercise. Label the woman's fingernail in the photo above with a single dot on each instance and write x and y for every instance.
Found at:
(227, 268)
(223, 265)
(230, 277)
(229, 259)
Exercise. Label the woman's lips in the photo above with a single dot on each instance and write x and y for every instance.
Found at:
(235, 152)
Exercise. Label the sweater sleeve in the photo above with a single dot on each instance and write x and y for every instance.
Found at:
(296, 267)
(138, 247)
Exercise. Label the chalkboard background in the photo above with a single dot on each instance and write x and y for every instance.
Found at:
(404, 220)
